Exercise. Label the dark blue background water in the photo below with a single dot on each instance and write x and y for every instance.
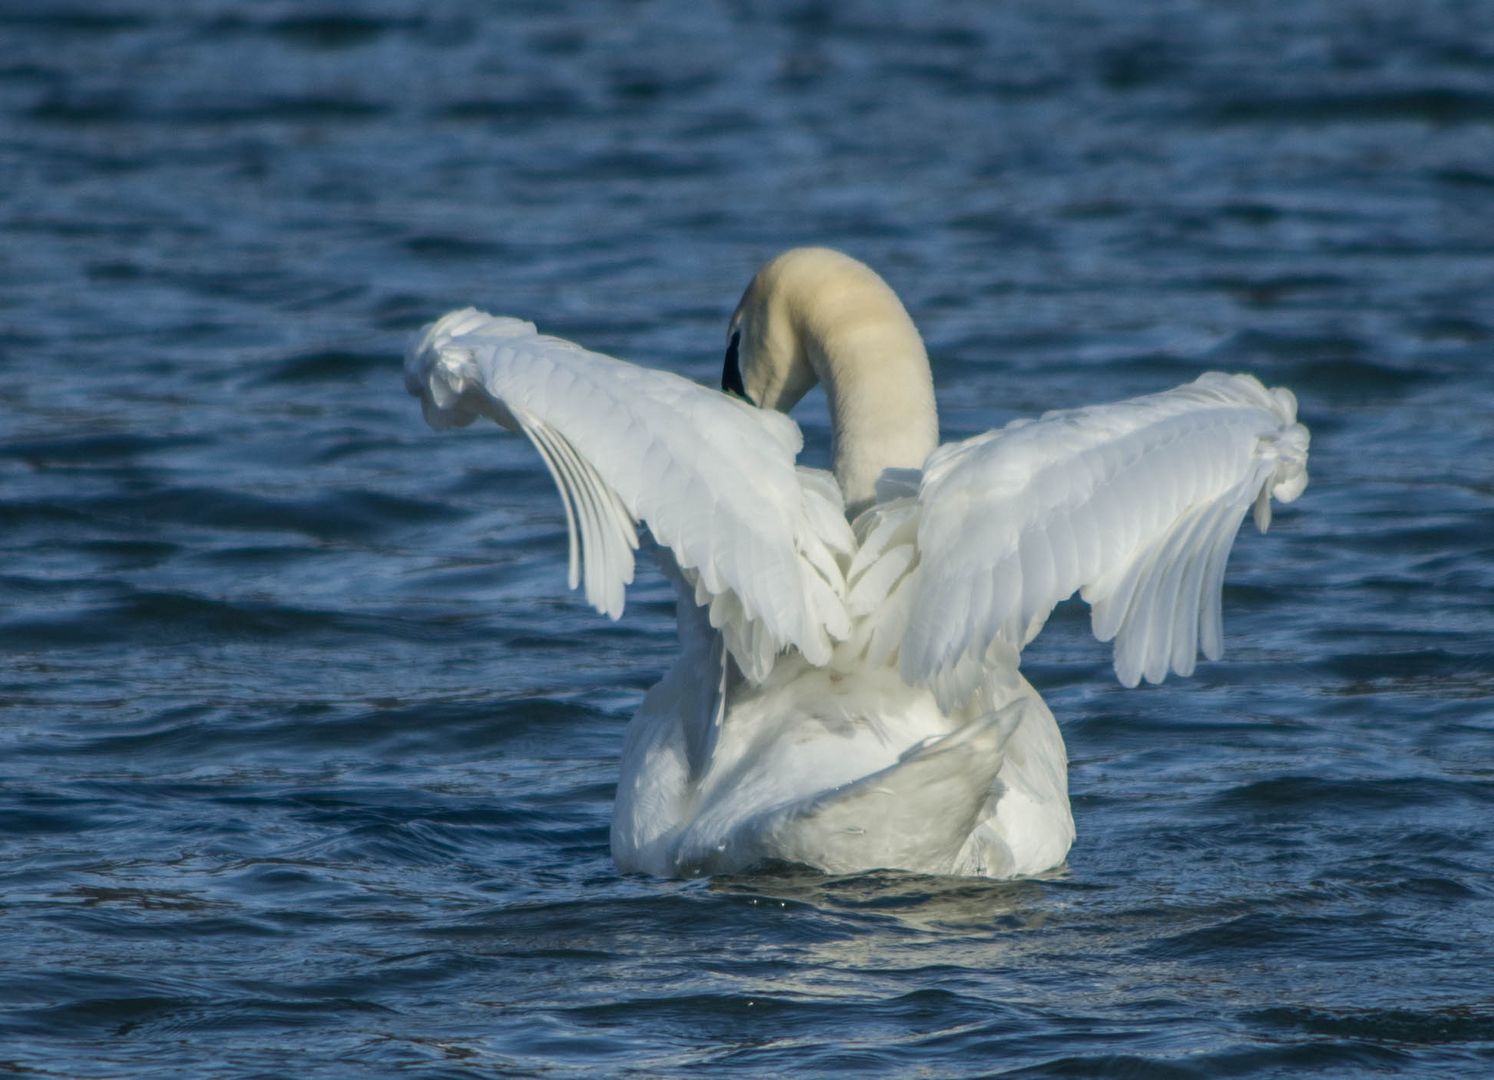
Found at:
(306, 755)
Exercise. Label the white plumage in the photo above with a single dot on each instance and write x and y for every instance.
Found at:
(847, 693)
(1133, 505)
(713, 477)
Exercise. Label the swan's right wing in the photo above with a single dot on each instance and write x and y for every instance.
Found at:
(711, 477)
(1135, 505)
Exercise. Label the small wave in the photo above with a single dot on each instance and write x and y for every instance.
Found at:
(322, 31)
(325, 365)
(1448, 1023)
(1432, 105)
(1307, 796)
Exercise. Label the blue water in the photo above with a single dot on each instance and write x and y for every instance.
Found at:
(306, 754)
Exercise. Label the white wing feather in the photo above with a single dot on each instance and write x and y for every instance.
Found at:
(1134, 504)
(713, 479)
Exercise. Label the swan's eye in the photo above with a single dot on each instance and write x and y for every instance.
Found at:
(731, 373)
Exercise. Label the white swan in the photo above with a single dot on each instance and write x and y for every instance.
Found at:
(847, 693)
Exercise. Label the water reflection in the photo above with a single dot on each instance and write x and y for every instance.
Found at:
(917, 900)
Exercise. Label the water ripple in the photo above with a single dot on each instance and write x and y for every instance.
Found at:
(308, 756)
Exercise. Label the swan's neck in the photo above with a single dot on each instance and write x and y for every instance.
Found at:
(876, 376)
(815, 315)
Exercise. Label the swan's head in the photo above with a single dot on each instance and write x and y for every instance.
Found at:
(807, 311)
(766, 359)
(813, 315)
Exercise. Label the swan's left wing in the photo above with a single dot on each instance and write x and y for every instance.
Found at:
(1135, 505)
(712, 478)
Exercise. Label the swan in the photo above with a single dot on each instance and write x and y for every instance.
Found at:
(847, 693)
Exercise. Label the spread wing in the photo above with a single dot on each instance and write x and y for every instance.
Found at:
(711, 477)
(1134, 505)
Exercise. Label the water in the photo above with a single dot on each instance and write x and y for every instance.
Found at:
(308, 755)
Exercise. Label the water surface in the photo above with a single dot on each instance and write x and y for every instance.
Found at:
(306, 755)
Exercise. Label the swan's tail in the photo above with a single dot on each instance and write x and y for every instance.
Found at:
(916, 814)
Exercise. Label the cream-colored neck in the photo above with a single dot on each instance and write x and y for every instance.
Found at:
(882, 414)
(815, 315)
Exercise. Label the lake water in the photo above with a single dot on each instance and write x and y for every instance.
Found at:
(306, 753)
